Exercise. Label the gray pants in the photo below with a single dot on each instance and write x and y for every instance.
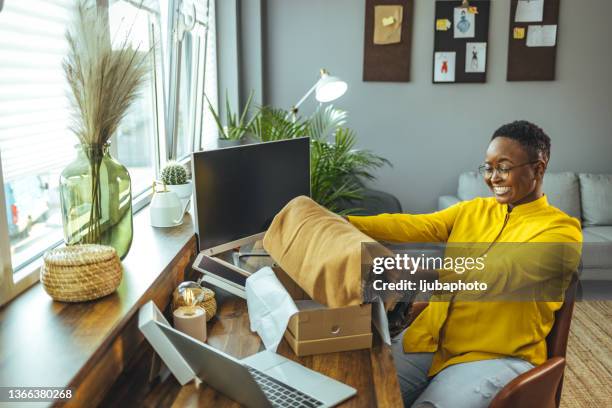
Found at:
(465, 385)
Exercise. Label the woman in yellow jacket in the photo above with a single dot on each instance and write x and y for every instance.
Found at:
(461, 353)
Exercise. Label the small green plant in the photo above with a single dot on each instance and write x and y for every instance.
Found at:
(174, 174)
(276, 124)
(236, 124)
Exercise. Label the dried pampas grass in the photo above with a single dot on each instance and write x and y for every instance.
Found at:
(104, 81)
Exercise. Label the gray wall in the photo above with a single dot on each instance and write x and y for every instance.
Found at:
(433, 132)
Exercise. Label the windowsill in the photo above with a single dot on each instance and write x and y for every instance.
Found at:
(53, 344)
(29, 274)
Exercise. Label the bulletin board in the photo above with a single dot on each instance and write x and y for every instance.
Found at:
(461, 39)
(388, 38)
(536, 62)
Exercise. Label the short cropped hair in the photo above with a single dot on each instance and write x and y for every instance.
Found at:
(529, 135)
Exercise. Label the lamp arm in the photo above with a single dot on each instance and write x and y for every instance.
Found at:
(294, 109)
(310, 91)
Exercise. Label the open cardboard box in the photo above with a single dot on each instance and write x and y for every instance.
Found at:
(317, 329)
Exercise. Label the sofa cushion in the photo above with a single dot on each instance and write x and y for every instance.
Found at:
(596, 198)
(603, 232)
(563, 191)
(472, 185)
(596, 249)
(446, 201)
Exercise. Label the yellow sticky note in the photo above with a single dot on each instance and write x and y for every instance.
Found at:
(473, 10)
(387, 21)
(519, 33)
(442, 24)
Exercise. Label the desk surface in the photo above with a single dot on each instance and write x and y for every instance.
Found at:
(371, 371)
(85, 345)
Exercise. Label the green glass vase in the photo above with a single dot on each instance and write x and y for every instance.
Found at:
(96, 199)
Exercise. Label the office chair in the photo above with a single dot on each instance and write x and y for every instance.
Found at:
(541, 386)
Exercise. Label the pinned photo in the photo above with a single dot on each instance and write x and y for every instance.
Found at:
(464, 23)
(475, 57)
(528, 11)
(444, 67)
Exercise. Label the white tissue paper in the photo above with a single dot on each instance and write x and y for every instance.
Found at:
(270, 307)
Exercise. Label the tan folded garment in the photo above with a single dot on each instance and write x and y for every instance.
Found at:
(320, 250)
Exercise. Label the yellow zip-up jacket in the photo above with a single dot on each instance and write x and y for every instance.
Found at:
(463, 331)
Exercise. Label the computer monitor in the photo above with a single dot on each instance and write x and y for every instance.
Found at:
(239, 190)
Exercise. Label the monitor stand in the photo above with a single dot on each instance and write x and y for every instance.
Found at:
(228, 266)
(254, 248)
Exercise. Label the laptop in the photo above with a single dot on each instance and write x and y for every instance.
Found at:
(265, 379)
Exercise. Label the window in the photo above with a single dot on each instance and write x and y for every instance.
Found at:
(209, 132)
(192, 20)
(36, 143)
(136, 143)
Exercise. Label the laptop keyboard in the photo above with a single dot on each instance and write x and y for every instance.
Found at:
(282, 395)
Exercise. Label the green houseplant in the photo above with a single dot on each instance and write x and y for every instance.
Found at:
(95, 189)
(174, 177)
(236, 124)
(338, 170)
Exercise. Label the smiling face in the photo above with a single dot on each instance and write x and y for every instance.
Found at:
(522, 184)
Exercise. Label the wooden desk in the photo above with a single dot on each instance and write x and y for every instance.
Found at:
(86, 346)
(371, 372)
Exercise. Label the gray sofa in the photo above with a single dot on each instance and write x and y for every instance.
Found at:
(587, 197)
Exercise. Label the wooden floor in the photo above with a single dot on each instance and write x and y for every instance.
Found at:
(588, 376)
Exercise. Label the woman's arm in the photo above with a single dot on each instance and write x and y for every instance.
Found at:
(434, 227)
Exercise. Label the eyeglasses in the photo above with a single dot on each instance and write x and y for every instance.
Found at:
(502, 171)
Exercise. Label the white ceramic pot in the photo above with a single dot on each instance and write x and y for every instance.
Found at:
(183, 191)
(227, 143)
(166, 209)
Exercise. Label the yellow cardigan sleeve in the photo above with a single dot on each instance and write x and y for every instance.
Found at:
(434, 227)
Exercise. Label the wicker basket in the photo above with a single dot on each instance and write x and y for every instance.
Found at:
(81, 272)
(207, 298)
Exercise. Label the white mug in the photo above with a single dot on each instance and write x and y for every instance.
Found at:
(166, 209)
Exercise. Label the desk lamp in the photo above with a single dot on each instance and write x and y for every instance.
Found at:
(328, 88)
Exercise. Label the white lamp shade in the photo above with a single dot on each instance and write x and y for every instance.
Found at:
(330, 88)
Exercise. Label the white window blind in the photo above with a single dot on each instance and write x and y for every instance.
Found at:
(34, 114)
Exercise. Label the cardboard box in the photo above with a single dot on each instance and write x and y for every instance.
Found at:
(317, 329)
(345, 343)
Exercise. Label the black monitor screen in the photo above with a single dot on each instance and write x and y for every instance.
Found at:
(239, 190)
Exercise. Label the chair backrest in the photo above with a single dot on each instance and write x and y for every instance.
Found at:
(557, 338)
